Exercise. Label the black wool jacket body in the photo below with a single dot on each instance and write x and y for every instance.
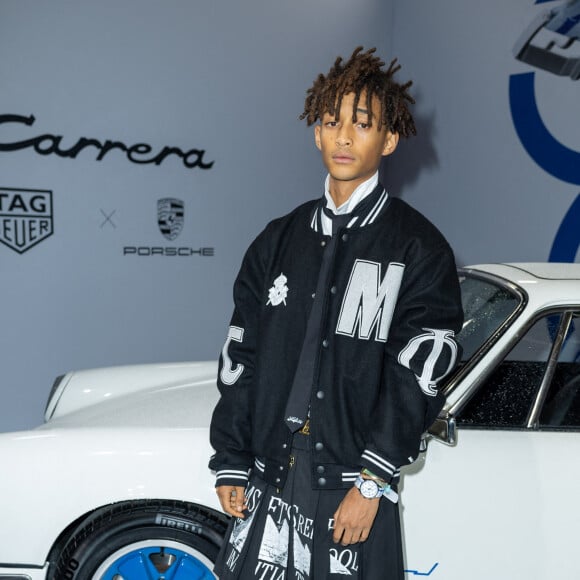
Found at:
(391, 308)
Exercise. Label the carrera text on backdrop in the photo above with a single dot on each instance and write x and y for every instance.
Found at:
(141, 153)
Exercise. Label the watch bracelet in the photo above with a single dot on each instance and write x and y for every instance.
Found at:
(378, 480)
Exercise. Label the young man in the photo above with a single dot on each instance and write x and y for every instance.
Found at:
(345, 313)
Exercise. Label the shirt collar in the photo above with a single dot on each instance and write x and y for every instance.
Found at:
(362, 191)
(321, 222)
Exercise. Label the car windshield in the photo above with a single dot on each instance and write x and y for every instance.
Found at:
(486, 306)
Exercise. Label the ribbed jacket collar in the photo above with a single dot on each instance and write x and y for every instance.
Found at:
(366, 211)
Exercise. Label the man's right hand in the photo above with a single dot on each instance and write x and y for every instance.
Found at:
(232, 499)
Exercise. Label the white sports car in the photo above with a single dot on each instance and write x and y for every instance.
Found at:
(114, 484)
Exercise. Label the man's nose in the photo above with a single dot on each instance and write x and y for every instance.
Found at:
(343, 137)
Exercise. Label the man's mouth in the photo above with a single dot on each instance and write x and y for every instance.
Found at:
(342, 157)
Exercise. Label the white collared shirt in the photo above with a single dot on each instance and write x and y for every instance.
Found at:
(362, 191)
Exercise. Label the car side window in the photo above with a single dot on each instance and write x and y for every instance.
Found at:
(506, 396)
(561, 410)
(486, 307)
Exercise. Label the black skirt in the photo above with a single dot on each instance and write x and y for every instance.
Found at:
(287, 533)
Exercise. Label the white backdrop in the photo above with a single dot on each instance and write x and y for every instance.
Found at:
(228, 78)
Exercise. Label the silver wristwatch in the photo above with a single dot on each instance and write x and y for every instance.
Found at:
(370, 488)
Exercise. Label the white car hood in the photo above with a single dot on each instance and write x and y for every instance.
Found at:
(100, 397)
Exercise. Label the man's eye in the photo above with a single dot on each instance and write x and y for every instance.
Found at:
(331, 123)
(363, 125)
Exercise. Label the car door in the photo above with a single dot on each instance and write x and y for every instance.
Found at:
(503, 503)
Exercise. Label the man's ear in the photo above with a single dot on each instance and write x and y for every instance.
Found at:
(317, 136)
(391, 142)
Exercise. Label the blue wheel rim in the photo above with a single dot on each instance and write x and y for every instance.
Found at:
(142, 563)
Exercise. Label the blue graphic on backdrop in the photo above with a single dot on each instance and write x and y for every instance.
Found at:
(553, 157)
(549, 44)
(417, 573)
(567, 241)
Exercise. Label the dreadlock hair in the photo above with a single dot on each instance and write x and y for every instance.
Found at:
(362, 72)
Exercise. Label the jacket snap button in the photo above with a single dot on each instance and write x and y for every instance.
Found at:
(344, 237)
(281, 468)
(319, 446)
(320, 395)
(323, 243)
(284, 445)
(322, 481)
(325, 343)
(277, 480)
(333, 290)
(320, 469)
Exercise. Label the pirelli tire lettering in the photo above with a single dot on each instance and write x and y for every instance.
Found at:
(171, 251)
(178, 524)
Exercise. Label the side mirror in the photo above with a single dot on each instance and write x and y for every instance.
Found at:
(444, 429)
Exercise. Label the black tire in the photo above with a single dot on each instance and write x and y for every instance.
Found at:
(160, 528)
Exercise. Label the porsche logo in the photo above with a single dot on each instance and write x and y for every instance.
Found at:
(170, 212)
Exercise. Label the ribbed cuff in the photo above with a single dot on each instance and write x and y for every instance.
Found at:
(232, 476)
(380, 466)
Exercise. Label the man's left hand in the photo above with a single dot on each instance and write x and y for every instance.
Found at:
(354, 518)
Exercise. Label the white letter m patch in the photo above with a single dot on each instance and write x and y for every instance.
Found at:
(368, 302)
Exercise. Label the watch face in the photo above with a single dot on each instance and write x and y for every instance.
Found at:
(369, 489)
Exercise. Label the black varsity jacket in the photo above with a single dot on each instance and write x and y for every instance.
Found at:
(391, 309)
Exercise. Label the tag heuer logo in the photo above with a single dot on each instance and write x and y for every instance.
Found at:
(25, 217)
(170, 217)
